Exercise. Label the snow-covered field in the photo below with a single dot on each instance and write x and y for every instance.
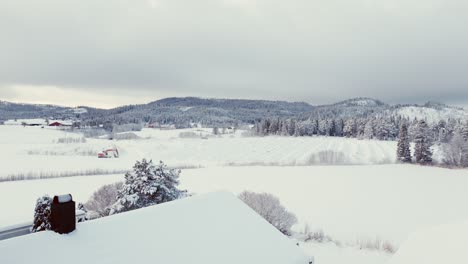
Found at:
(35, 151)
(347, 202)
(441, 244)
(365, 197)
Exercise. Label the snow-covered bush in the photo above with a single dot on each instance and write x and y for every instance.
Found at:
(270, 208)
(147, 185)
(317, 236)
(42, 216)
(189, 134)
(69, 140)
(127, 127)
(376, 244)
(327, 157)
(103, 198)
(93, 132)
(125, 136)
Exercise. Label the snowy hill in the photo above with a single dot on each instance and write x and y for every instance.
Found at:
(360, 101)
(443, 244)
(431, 113)
(351, 108)
(210, 229)
(181, 111)
(10, 110)
(184, 110)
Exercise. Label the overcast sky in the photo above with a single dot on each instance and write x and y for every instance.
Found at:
(113, 52)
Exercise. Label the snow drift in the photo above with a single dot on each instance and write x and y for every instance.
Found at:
(443, 244)
(211, 228)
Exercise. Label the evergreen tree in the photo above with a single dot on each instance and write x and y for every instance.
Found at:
(360, 128)
(403, 149)
(369, 129)
(339, 128)
(274, 127)
(332, 127)
(322, 127)
(284, 128)
(147, 185)
(422, 149)
(84, 217)
(42, 216)
(349, 129)
(291, 127)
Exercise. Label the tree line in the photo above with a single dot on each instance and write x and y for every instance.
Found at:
(450, 135)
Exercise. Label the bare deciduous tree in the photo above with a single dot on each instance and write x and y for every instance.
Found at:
(103, 198)
(456, 151)
(270, 208)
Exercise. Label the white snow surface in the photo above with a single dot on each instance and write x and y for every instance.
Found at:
(347, 202)
(328, 253)
(442, 244)
(35, 151)
(210, 229)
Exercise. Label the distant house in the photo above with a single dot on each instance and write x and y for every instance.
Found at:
(59, 124)
(55, 124)
(215, 228)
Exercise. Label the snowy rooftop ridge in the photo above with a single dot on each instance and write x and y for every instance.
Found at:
(204, 229)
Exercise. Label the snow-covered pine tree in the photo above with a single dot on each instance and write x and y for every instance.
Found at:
(360, 127)
(349, 129)
(339, 128)
(422, 148)
(322, 127)
(403, 149)
(292, 127)
(84, 217)
(284, 128)
(42, 214)
(147, 185)
(369, 129)
(332, 127)
(299, 131)
(274, 127)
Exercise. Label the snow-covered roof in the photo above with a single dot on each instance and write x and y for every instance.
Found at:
(205, 229)
(37, 121)
(443, 244)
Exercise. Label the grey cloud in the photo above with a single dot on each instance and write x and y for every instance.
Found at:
(317, 51)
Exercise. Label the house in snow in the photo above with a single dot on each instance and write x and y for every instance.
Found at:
(215, 228)
(60, 123)
(56, 124)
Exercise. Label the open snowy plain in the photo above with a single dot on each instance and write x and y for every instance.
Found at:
(352, 189)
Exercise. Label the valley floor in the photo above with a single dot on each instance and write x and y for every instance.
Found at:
(351, 198)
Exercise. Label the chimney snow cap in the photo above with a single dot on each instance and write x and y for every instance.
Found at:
(62, 198)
